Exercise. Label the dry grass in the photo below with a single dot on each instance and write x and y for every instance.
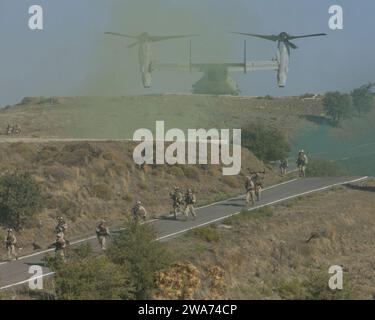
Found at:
(266, 255)
(84, 117)
(86, 182)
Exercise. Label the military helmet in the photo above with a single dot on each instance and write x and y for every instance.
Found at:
(139, 203)
(190, 191)
(177, 188)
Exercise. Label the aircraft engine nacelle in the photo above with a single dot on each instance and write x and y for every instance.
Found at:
(146, 79)
(283, 56)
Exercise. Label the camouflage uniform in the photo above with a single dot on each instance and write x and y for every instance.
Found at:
(139, 212)
(283, 166)
(61, 226)
(177, 201)
(60, 246)
(258, 182)
(301, 163)
(102, 233)
(190, 201)
(10, 244)
(250, 191)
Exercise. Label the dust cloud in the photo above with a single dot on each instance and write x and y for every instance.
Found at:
(115, 70)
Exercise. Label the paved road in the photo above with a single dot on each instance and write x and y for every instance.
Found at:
(16, 272)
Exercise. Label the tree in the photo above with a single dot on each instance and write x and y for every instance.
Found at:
(266, 143)
(137, 251)
(363, 100)
(338, 106)
(20, 198)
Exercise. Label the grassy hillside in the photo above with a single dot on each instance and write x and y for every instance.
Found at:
(86, 182)
(119, 117)
(285, 251)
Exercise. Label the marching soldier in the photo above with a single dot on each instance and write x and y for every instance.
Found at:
(61, 226)
(190, 201)
(283, 166)
(250, 190)
(177, 200)
(60, 246)
(139, 212)
(10, 244)
(102, 233)
(302, 161)
(258, 183)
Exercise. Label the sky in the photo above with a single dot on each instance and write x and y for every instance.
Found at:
(73, 57)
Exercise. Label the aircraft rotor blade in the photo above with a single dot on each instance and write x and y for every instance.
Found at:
(121, 35)
(266, 37)
(157, 39)
(307, 36)
(290, 44)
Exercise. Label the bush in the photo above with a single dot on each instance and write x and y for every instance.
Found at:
(92, 278)
(314, 287)
(266, 143)
(317, 288)
(137, 251)
(338, 106)
(324, 168)
(20, 198)
(363, 100)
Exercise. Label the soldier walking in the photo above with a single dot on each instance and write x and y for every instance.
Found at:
(283, 166)
(10, 244)
(258, 178)
(190, 201)
(177, 201)
(139, 212)
(302, 161)
(250, 191)
(61, 226)
(60, 246)
(102, 232)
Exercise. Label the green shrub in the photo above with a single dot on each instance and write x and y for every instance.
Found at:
(317, 288)
(20, 198)
(92, 278)
(136, 250)
(314, 287)
(338, 106)
(363, 100)
(266, 143)
(324, 168)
